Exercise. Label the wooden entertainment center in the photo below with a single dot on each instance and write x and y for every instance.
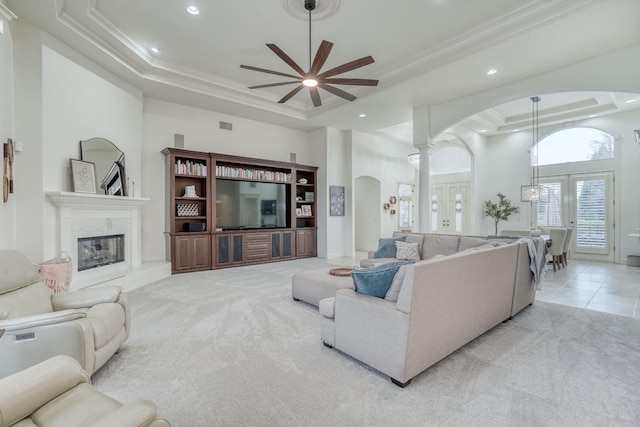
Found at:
(225, 211)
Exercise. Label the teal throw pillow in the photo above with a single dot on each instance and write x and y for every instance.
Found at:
(387, 247)
(377, 280)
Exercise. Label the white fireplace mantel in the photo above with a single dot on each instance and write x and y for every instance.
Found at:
(65, 199)
(88, 215)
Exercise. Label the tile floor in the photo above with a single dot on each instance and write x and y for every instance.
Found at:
(612, 288)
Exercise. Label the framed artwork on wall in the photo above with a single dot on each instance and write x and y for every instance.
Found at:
(84, 176)
(637, 132)
(336, 206)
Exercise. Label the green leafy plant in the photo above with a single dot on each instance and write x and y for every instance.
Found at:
(499, 211)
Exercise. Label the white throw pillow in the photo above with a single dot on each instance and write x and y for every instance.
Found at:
(407, 251)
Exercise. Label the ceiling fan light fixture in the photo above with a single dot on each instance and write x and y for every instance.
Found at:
(310, 82)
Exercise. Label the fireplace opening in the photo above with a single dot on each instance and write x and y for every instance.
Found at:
(99, 251)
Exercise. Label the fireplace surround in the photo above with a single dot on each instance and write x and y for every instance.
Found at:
(81, 216)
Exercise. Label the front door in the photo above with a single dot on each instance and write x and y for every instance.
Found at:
(449, 207)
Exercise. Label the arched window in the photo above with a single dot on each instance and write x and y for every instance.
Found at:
(574, 145)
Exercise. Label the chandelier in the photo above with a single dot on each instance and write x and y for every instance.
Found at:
(534, 193)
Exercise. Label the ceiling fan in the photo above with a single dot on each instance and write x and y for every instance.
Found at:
(312, 78)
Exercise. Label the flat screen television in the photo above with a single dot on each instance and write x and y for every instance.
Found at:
(244, 205)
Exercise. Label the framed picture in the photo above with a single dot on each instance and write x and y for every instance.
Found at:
(336, 206)
(637, 132)
(84, 176)
(298, 212)
(306, 210)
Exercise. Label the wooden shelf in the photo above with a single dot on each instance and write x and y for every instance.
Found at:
(295, 237)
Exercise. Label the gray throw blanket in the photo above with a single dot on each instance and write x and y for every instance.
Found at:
(538, 256)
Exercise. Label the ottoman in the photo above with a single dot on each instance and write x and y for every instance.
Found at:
(314, 285)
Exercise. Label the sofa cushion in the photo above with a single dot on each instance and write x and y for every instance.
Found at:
(376, 281)
(470, 242)
(26, 301)
(107, 320)
(387, 247)
(438, 244)
(411, 238)
(404, 273)
(407, 251)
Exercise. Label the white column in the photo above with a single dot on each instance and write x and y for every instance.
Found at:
(424, 185)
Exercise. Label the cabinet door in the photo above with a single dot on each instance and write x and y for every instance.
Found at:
(191, 253)
(229, 249)
(306, 242)
(287, 244)
(201, 246)
(181, 260)
(282, 244)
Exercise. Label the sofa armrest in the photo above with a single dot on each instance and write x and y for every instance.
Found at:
(137, 414)
(372, 330)
(36, 320)
(85, 298)
(25, 391)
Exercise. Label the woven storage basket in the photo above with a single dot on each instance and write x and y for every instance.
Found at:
(188, 209)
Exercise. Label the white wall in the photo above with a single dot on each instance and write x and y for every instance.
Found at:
(7, 210)
(366, 213)
(62, 98)
(249, 138)
(386, 161)
(339, 230)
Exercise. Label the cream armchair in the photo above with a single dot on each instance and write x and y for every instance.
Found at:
(88, 325)
(57, 392)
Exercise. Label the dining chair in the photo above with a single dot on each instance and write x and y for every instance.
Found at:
(557, 236)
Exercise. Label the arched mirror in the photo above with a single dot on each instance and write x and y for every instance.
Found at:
(109, 161)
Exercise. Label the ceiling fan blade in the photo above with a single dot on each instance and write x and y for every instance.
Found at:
(339, 92)
(263, 70)
(290, 94)
(352, 82)
(273, 85)
(285, 58)
(347, 67)
(315, 96)
(321, 56)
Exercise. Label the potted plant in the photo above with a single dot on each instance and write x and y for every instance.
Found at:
(499, 211)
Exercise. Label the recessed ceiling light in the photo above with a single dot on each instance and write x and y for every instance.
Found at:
(592, 115)
(630, 101)
(516, 130)
(482, 130)
(362, 115)
(492, 72)
(154, 49)
(193, 10)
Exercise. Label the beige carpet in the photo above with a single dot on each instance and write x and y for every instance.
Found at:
(231, 348)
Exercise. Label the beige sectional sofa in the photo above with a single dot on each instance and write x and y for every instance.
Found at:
(443, 303)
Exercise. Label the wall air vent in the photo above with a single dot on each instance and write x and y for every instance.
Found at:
(226, 125)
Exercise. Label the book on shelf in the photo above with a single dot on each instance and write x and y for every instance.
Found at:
(249, 173)
(188, 167)
(309, 196)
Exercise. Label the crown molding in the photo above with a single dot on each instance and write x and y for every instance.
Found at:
(6, 14)
(166, 73)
